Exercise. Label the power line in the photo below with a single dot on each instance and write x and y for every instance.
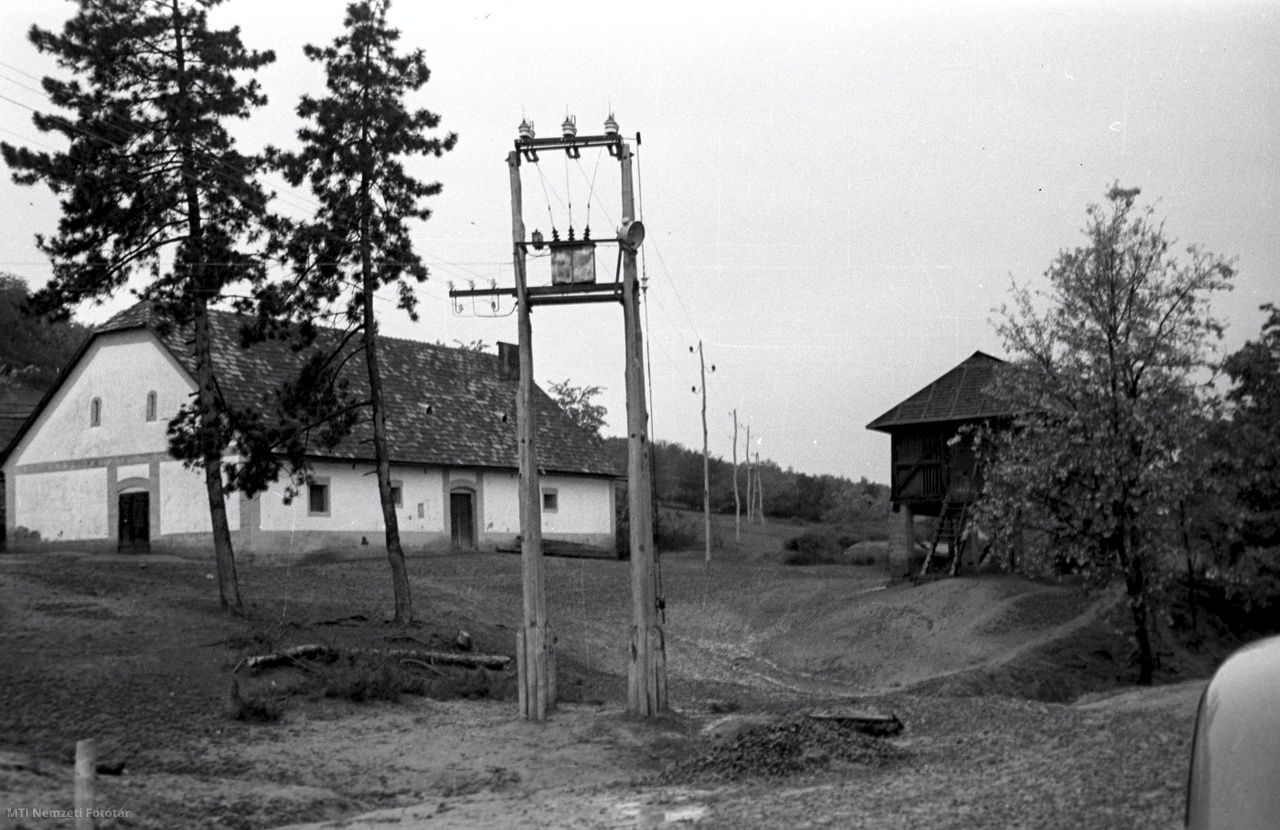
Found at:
(209, 164)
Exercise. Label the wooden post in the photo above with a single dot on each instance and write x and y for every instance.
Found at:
(759, 492)
(706, 463)
(646, 676)
(737, 505)
(751, 502)
(86, 779)
(532, 643)
(902, 542)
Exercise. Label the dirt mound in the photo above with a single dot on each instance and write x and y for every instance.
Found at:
(903, 635)
(791, 746)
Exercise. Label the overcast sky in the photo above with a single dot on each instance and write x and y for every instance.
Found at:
(835, 196)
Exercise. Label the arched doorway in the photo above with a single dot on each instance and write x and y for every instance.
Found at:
(135, 522)
(462, 518)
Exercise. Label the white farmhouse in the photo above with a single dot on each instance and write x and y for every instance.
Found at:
(90, 468)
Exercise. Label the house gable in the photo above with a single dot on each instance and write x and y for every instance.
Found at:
(111, 383)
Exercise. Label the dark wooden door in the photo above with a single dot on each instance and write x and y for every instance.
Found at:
(135, 522)
(961, 486)
(462, 520)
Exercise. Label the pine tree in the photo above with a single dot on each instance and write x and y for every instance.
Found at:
(151, 182)
(354, 146)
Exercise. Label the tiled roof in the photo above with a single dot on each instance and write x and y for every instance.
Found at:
(16, 405)
(445, 406)
(956, 396)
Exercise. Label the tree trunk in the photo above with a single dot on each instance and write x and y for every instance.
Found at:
(210, 438)
(1136, 587)
(395, 554)
(223, 554)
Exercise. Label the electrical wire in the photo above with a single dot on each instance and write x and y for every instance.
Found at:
(206, 163)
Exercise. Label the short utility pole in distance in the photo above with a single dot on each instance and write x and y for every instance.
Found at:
(573, 281)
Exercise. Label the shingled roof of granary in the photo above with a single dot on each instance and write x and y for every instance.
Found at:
(959, 395)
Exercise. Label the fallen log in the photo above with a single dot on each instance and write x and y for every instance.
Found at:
(409, 661)
(496, 662)
(354, 619)
(316, 651)
(870, 723)
(288, 656)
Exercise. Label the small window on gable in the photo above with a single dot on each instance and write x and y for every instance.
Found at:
(550, 501)
(95, 412)
(151, 406)
(318, 498)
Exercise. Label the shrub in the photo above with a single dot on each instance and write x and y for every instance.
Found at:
(358, 678)
(675, 532)
(255, 706)
(812, 548)
(258, 709)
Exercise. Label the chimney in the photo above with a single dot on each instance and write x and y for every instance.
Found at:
(508, 361)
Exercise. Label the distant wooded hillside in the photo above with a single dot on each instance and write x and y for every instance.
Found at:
(787, 493)
(32, 353)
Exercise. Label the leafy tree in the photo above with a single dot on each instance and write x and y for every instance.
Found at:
(578, 402)
(151, 182)
(354, 146)
(1104, 376)
(34, 350)
(1254, 429)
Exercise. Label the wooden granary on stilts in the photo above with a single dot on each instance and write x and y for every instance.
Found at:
(935, 471)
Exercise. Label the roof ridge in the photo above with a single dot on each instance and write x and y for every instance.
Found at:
(384, 337)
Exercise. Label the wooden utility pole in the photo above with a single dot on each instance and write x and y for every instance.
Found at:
(750, 483)
(706, 461)
(759, 492)
(647, 675)
(647, 671)
(536, 667)
(737, 505)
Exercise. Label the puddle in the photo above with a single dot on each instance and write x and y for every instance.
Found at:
(637, 814)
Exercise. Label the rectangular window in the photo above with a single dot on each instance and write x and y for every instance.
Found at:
(397, 493)
(318, 498)
(550, 501)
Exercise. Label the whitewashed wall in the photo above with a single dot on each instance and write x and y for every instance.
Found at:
(67, 505)
(353, 501)
(184, 503)
(420, 487)
(502, 503)
(584, 505)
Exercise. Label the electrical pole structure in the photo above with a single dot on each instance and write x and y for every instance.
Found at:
(574, 281)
